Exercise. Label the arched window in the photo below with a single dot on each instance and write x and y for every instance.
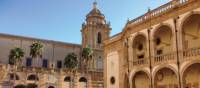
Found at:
(51, 87)
(20, 86)
(32, 77)
(82, 82)
(32, 85)
(99, 38)
(82, 79)
(67, 79)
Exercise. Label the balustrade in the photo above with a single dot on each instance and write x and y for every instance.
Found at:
(141, 61)
(193, 52)
(94, 70)
(165, 57)
(156, 59)
(160, 10)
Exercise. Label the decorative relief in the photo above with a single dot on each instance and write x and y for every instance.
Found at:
(160, 76)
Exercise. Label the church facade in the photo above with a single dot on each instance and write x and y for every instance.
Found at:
(160, 49)
(49, 71)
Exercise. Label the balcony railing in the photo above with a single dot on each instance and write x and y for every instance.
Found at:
(142, 61)
(95, 70)
(165, 57)
(189, 53)
(46, 70)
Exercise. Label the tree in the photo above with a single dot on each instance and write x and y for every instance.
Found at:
(87, 55)
(36, 50)
(15, 58)
(71, 61)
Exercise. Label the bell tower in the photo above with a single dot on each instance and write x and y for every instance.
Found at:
(94, 31)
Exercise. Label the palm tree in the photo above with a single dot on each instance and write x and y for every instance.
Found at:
(87, 56)
(71, 61)
(36, 50)
(15, 58)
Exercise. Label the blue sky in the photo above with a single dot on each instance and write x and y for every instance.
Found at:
(61, 20)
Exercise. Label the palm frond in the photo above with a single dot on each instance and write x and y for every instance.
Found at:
(87, 53)
(71, 61)
(15, 55)
(36, 49)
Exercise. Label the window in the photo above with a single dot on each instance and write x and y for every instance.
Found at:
(99, 38)
(59, 64)
(31, 85)
(32, 77)
(140, 56)
(83, 82)
(12, 77)
(95, 20)
(112, 80)
(51, 87)
(52, 65)
(99, 63)
(159, 52)
(67, 79)
(28, 62)
(140, 47)
(158, 41)
(82, 79)
(45, 63)
(20, 86)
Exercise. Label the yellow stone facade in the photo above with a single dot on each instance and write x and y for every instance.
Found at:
(160, 49)
(94, 31)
